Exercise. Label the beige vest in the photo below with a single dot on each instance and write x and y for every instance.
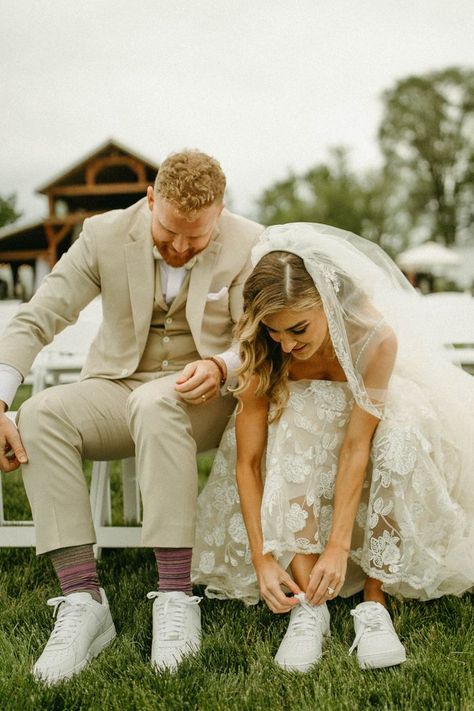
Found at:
(170, 344)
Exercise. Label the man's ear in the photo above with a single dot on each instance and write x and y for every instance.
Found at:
(150, 196)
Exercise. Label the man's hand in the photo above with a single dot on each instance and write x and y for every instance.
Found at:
(12, 452)
(199, 382)
(271, 577)
(328, 572)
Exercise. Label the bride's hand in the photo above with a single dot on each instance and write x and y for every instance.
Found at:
(271, 577)
(328, 574)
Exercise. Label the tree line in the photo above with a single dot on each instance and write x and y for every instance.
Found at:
(425, 187)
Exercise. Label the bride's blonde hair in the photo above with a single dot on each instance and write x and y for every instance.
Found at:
(279, 281)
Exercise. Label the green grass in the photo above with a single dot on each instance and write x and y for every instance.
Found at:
(234, 670)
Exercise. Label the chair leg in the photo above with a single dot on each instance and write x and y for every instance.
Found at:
(100, 497)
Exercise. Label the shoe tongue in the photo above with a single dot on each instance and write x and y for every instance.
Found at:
(372, 612)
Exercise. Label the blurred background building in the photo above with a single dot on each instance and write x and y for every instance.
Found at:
(110, 177)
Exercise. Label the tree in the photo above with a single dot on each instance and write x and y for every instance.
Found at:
(331, 193)
(427, 138)
(8, 212)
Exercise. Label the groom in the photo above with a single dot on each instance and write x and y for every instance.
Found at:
(170, 270)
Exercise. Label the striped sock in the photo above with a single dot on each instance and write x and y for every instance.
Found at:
(76, 570)
(174, 569)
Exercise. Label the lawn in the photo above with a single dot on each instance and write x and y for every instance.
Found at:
(235, 670)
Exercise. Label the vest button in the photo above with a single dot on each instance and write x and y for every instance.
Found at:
(166, 339)
(169, 320)
(164, 363)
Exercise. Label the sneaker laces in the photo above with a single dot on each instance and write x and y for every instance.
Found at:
(171, 614)
(68, 618)
(371, 619)
(300, 624)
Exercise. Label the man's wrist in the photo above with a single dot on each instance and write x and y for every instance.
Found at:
(221, 366)
(232, 364)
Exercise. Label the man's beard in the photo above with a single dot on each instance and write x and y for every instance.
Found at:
(173, 258)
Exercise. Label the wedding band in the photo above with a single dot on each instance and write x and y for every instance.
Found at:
(203, 398)
(331, 591)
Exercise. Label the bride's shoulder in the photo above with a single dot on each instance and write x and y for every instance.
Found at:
(251, 392)
(388, 344)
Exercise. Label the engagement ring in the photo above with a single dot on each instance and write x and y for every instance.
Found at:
(331, 591)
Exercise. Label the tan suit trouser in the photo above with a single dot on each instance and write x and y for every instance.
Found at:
(102, 419)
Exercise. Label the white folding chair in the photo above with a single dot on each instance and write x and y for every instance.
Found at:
(63, 359)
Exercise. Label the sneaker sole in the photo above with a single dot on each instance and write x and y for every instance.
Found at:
(99, 644)
(382, 660)
(301, 669)
(172, 666)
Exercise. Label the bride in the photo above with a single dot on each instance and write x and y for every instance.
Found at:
(350, 462)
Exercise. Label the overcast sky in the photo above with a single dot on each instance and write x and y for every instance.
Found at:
(264, 85)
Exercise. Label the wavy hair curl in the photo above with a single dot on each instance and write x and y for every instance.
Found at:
(191, 180)
(279, 281)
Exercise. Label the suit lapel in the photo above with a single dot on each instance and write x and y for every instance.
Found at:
(141, 276)
(158, 288)
(199, 283)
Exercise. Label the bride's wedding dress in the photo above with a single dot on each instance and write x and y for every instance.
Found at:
(414, 526)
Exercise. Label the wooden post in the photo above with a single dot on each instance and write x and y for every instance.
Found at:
(54, 238)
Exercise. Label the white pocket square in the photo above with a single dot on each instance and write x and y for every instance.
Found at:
(216, 295)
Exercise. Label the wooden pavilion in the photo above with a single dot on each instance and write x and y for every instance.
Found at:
(110, 177)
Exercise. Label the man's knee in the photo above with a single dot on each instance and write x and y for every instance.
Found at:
(152, 403)
(35, 412)
(49, 417)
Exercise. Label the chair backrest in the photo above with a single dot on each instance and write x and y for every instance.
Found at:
(8, 309)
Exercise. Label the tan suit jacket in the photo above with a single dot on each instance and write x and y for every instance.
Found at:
(113, 257)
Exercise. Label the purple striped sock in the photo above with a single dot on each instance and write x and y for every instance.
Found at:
(76, 570)
(174, 569)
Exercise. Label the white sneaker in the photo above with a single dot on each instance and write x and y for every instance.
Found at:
(302, 645)
(83, 628)
(176, 628)
(376, 640)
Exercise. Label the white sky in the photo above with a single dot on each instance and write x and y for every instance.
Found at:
(264, 85)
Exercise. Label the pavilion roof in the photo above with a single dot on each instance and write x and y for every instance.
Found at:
(75, 174)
